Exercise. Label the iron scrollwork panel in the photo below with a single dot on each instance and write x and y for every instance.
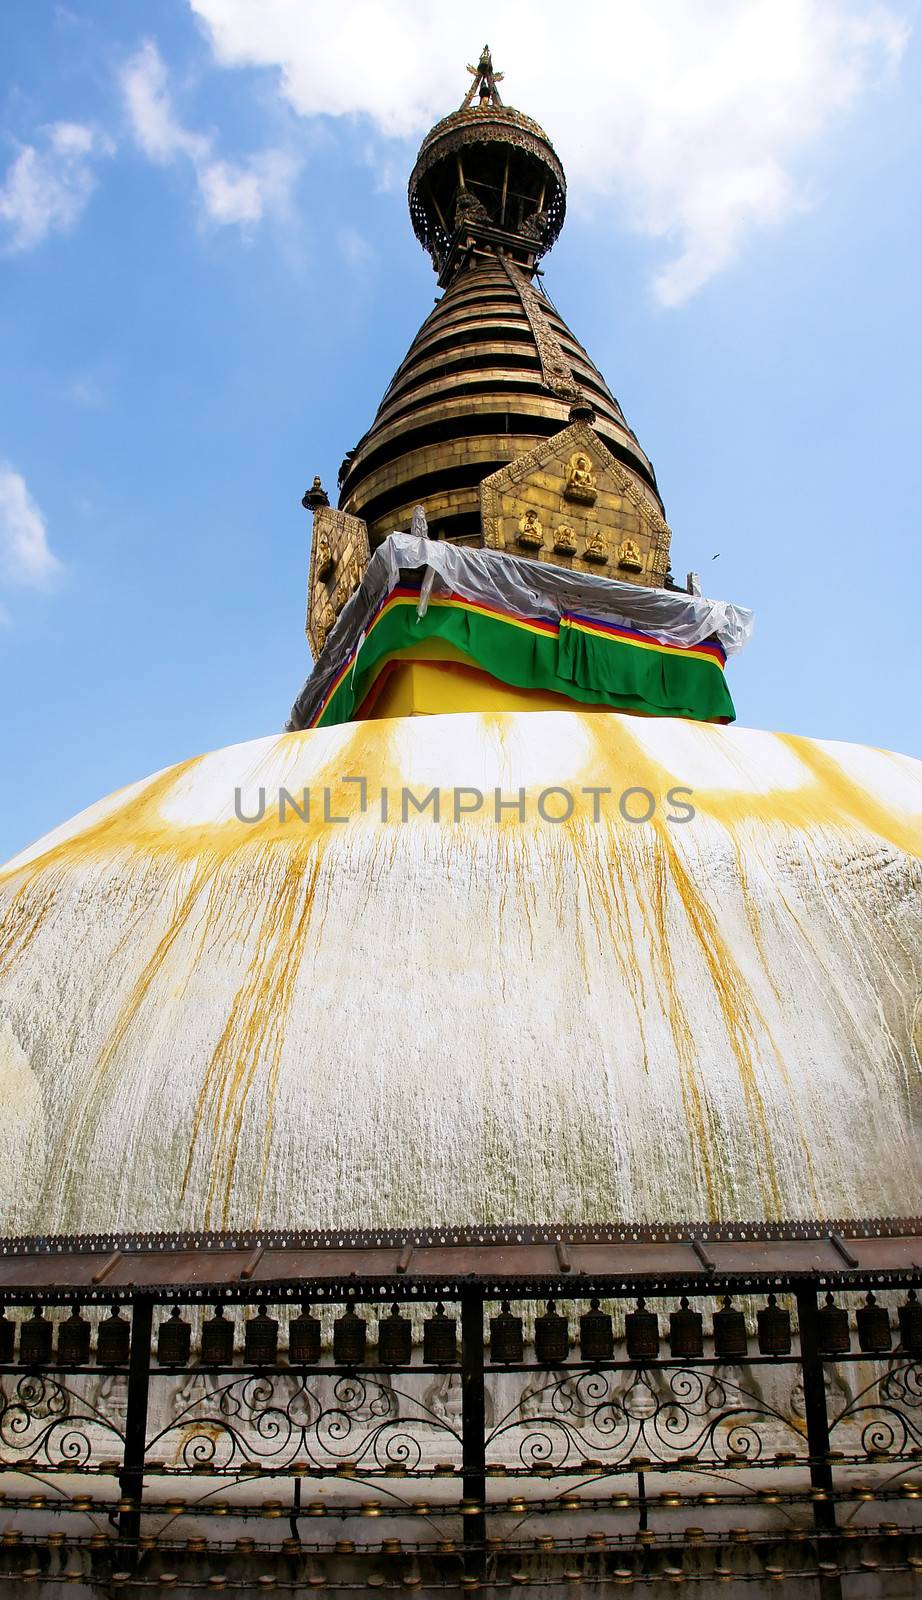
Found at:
(886, 1413)
(664, 1414)
(276, 1419)
(55, 1424)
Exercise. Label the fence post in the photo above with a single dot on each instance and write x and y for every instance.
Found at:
(131, 1478)
(817, 1420)
(473, 1426)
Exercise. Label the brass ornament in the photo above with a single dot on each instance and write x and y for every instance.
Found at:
(485, 81)
(531, 533)
(326, 561)
(468, 209)
(581, 484)
(556, 369)
(353, 572)
(339, 558)
(325, 620)
(564, 540)
(316, 496)
(579, 437)
(597, 548)
(629, 557)
(487, 128)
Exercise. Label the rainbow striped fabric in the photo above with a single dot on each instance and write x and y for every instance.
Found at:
(580, 657)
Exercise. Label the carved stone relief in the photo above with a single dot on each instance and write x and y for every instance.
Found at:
(339, 558)
(598, 516)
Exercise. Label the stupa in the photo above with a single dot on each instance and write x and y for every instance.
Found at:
(510, 944)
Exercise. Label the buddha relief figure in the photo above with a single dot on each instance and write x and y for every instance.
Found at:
(564, 540)
(351, 579)
(597, 548)
(325, 622)
(580, 481)
(629, 557)
(531, 533)
(325, 561)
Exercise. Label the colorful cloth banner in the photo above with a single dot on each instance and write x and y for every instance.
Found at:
(641, 674)
(594, 662)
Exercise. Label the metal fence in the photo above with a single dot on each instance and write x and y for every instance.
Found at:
(463, 1434)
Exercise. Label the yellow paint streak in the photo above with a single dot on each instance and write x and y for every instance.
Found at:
(137, 827)
(137, 834)
(252, 1039)
(743, 1020)
(741, 1015)
(617, 869)
(76, 1133)
(694, 1105)
(25, 917)
(828, 800)
(610, 920)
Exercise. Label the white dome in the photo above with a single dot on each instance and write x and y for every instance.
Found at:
(206, 1022)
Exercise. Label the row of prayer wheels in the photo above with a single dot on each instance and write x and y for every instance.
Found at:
(260, 1346)
(350, 1339)
(686, 1336)
(686, 1332)
(36, 1339)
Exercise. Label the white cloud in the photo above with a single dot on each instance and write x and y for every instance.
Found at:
(87, 393)
(231, 192)
(691, 123)
(72, 138)
(147, 99)
(45, 189)
(355, 249)
(243, 194)
(25, 557)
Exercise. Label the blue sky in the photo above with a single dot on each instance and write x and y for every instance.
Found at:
(207, 277)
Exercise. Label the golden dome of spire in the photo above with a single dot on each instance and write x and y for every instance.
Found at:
(486, 175)
(494, 371)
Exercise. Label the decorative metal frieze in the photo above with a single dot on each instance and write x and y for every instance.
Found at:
(516, 1445)
(887, 1411)
(626, 1233)
(473, 126)
(322, 1423)
(663, 1415)
(50, 1423)
(556, 371)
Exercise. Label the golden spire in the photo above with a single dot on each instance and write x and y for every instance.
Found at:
(485, 81)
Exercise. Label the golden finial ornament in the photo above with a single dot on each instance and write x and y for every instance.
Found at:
(484, 82)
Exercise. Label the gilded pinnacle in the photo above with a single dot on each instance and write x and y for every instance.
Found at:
(484, 82)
